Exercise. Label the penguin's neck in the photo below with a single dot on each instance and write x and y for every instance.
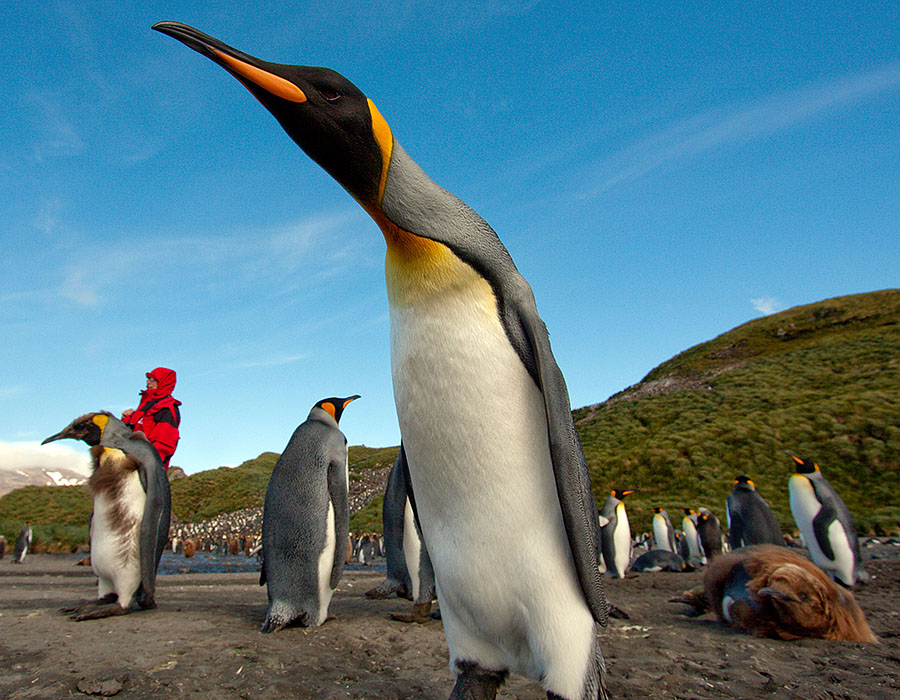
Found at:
(422, 225)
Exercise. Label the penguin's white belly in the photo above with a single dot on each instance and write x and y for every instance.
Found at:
(412, 549)
(475, 432)
(661, 533)
(325, 564)
(115, 540)
(805, 507)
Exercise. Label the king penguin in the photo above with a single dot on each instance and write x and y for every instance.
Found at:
(615, 534)
(826, 523)
(498, 473)
(750, 520)
(130, 522)
(409, 570)
(305, 515)
(23, 544)
(689, 526)
(709, 532)
(663, 532)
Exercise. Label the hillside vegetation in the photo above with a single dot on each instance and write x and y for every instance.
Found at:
(821, 380)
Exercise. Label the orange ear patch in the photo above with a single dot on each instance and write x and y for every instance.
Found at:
(329, 407)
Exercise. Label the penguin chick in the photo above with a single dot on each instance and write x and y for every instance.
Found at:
(306, 520)
(825, 521)
(499, 477)
(771, 591)
(132, 509)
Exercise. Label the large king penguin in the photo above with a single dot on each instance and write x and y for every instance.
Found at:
(305, 515)
(130, 523)
(750, 520)
(615, 533)
(825, 522)
(499, 477)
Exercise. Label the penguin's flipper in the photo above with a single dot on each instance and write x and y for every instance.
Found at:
(573, 485)
(337, 493)
(821, 523)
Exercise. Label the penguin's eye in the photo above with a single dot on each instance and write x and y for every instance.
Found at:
(329, 94)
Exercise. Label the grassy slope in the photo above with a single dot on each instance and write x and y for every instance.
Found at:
(820, 380)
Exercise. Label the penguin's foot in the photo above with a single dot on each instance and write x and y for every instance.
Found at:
(421, 614)
(383, 591)
(476, 683)
(87, 604)
(695, 598)
(98, 610)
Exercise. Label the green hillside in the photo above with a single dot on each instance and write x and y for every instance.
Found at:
(59, 514)
(821, 380)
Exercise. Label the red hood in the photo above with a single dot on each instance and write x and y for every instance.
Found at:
(165, 383)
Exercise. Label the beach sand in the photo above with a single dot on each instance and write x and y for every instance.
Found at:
(202, 642)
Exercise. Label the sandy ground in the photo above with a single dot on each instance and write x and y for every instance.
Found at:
(202, 642)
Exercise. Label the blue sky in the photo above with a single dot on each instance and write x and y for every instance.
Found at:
(660, 172)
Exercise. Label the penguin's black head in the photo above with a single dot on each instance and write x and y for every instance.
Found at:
(621, 493)
(804, 466)
(335, 406)
(744, 480)
(87, 428)
(689, 511)
(322, 111)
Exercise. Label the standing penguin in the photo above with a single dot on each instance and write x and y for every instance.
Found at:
(23, 544)
(689, 525)
(826, 523)
(306, 514)
(615, 535)
(750, 520)
(709, 533)
(409, 571)
(132, 507)
(499, 477)
(663, 532)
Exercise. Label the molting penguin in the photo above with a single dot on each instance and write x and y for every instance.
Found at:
(826, 523)
(689, 524)
(771, 591)
(306, 520)
(709, 533)
(615, 533)
(23, 544)
(499, 476)
(663, 532)
(130, 522)
(750, 520)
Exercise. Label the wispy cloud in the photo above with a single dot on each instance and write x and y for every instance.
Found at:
(740, 122)
(766, 305)
(12, 392)
(80, 288)
(58, 136)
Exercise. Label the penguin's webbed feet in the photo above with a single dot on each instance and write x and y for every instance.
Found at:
(421, 614)
(87, 604)
(476, 683)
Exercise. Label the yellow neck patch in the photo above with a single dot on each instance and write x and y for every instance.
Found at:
(385, 140)
(100, 421)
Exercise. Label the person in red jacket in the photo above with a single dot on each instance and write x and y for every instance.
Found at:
(157, 415)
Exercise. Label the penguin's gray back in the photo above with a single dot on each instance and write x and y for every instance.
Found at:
(750, 520)
(299, 527)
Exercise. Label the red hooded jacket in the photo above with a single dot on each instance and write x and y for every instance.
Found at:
(157, 415)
